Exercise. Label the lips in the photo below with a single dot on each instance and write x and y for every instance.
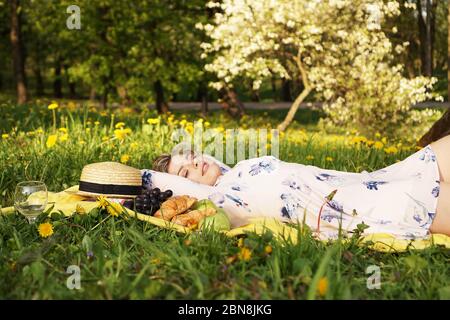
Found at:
(204, 168)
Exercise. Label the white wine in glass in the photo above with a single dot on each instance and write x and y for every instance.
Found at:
(30, 199)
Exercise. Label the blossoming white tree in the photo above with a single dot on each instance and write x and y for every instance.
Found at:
(335, 47)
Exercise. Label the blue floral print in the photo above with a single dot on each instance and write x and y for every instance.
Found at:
(238, 201)
(291, 205)
(435, 191)
(264, 165)
(384, 222)
(291, 183)
(427, 155)
(332, 179)
(373, 185)
(217, 198)
(328, 215)
(335, 205)
(146, 179)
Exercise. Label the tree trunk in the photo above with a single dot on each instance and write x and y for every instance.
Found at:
(39, 80)
(57, 83)
(273, 83)
(161, 104)
(92, 94)
(286, 90)
(72, 90)
(202, 95)
(236, 101)
(293, 109)
(17, 53)
(205, 105)
(71, 84)
(426, 20)
(231, 103)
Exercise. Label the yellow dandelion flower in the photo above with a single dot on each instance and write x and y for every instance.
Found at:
(64, 137)
(384, 140)
(245, 254)
(80, 210)
(309, 157)
(5, 136)
(125, 158)
(114, 209)
(322, 287)
(329, 159)
(82, 142)
(102, 202)
(207, 124)
(378, 135)
(391, 150)
(105, 138)
(51, 140)
(240, 243)
(45, 229)
(370, 143)
(268, 249)
(153, 120)
(97, 123)
(64, 130)
(119, 134)
(134, 145)
(120, 125)
(378, 145)
(39, 131)
(52, 106)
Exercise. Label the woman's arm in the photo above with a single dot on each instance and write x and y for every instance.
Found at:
(178, 185)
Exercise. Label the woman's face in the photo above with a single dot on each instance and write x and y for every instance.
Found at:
(194, 167)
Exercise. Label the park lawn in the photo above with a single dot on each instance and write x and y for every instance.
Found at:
(126, 258)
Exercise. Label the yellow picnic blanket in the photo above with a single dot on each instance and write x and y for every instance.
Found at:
(67, 201)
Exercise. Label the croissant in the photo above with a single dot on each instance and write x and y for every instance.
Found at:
(174, 206)
(193, 217)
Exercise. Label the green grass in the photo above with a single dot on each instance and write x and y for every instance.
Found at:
(130, 259)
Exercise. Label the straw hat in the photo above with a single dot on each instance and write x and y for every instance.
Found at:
(111, 179)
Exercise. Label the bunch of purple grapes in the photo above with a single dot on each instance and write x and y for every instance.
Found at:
(150, 200)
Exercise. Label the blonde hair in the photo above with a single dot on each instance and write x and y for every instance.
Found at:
(161, 163)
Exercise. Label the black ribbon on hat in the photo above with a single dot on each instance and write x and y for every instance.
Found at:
(109, 188)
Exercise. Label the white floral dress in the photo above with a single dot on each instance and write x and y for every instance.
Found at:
(400, 199)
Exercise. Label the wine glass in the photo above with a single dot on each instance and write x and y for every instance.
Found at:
(30, 199)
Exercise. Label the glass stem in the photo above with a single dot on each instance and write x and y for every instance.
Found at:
(31, 220)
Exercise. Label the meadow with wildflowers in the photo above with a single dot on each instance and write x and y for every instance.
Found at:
(121, 258)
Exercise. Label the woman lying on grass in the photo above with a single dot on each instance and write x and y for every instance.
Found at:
(408, 199)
